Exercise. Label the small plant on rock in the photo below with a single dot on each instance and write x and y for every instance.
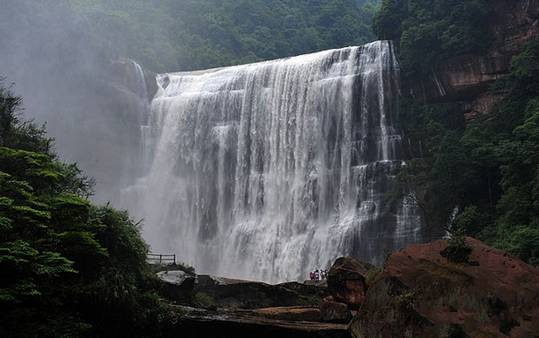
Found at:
(457, 251)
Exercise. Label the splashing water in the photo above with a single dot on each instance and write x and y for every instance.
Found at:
(268, 170)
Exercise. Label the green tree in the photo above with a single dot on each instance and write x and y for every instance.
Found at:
(188, 34)
(431, 30)
(67, 268)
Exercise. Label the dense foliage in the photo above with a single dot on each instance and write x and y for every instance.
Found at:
(67, 268)
(478, 178)
(489, 168)
(193, 34)
(430, 30)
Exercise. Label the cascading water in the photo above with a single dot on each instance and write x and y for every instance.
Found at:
(266, 171)
(145, 128)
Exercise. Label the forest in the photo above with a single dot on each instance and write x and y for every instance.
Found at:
(188, 34)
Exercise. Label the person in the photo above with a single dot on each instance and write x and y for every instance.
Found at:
(311, 275)
(317, 275)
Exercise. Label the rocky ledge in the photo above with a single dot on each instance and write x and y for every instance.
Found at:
(212, 306)
(418, 293)
(264, 323)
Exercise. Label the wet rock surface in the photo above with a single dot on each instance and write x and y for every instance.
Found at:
(422, 294)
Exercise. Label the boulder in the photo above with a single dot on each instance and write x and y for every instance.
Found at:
(421, 294)
(346, 281)
(173, 277)
(334, 312)
(177, 285)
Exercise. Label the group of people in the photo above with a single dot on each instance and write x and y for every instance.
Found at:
(318, 275)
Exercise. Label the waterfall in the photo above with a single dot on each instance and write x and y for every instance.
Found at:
(269, 170)
(145, 130)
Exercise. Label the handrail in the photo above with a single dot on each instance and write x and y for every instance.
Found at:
(162, 258)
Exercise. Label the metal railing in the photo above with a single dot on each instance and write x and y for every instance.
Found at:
(162, 259)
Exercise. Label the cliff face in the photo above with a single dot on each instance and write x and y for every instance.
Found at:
(466, 78)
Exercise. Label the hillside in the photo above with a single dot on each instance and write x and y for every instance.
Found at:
(187, 34)
(471, 115)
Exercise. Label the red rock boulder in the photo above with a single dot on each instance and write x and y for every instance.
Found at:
(346, 281)
(421, 294)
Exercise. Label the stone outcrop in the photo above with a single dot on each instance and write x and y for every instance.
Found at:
(177, 285)
(346, 281)
(467, 78)
(421, 294)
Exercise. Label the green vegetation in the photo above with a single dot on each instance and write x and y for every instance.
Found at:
(488, 168)
(457, 250)
(479, 178)
(67, 268)
(195, 34)
(430, 30)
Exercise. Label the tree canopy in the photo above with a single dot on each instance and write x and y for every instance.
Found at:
(195, 34)
(431, 30)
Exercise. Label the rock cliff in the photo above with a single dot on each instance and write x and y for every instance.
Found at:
(466, 78)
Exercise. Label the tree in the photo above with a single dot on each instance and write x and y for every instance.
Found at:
(67, 268)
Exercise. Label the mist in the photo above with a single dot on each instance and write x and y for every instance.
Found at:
(73, 85)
